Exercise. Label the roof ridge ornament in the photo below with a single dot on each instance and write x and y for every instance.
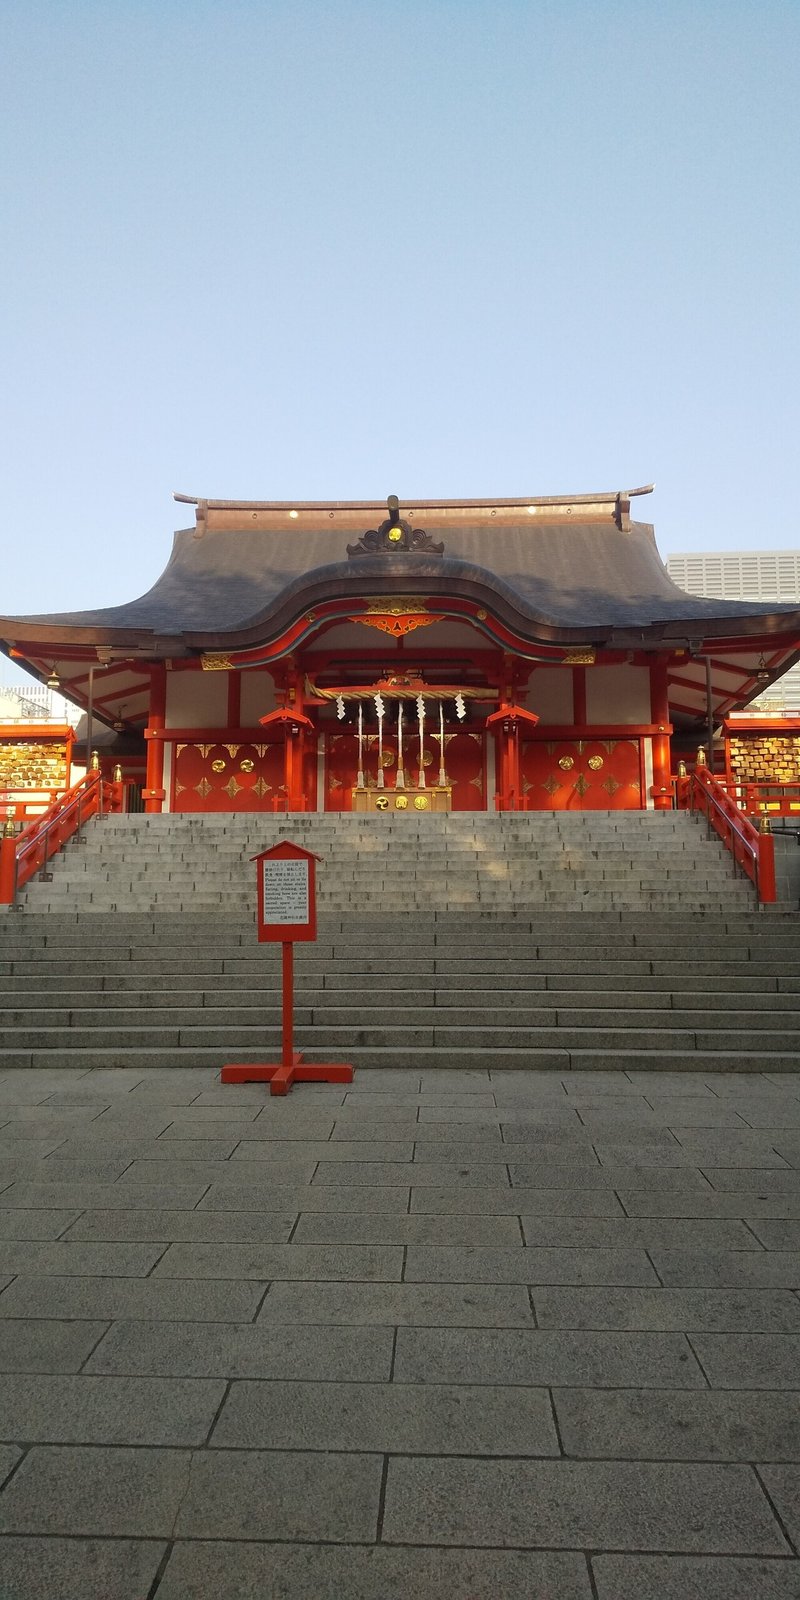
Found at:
(395, 535)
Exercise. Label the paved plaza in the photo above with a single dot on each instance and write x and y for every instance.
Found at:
(469, 1335)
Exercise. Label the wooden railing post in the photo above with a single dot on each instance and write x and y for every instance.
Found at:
(8, 869)
(767, 887)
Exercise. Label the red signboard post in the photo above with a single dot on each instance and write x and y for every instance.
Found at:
(287, 910)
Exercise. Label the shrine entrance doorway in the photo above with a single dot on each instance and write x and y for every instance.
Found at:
(465, 766)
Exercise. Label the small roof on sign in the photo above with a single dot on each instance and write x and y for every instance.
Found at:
(286, 850)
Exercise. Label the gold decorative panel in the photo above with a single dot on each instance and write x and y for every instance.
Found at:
(33, 764)
(765, 757)
(214, 662)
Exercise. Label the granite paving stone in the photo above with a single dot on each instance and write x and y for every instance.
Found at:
(36, 1259)
(419, 1173)
(652, 1425)
(323, 1151)
(772, 1115)
(569, 1504)
(749, 1360)
(13, 1147)
(397, 1304)
(45, 1195)
(119, 1410)
(9, 1456)
(694, 1310)
(246, 1571)
(767, 1269)
(783, 1486)
(323, 1228)
(776, 1235)
(530, 1333)
(697, 1111)
(245, 1175)
(777, 1179)
(313, 1197)
(78, 1569)
(189, 1227)
(429, 1134)
(281, 1494)
(578, 1202)
(36, 1224)
(167, 1298)
(694, 1578)
(606, 1360)
(109, 1491)
(648, 1233)
(320, 1263)
(47, 1346)
(398, 1418)
(26, 1169)
(729, 1149)
(244, 1350)
(747, 1203)
(440, 1264)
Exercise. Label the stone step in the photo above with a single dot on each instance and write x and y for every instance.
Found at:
(532, 993)
(235, 1035)
(524, 1060)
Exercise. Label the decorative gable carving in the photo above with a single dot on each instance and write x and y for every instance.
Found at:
(395, 535)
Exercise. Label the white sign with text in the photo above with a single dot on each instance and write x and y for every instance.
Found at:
(285, 885)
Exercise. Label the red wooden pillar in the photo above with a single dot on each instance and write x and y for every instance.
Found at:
(289, 768)
(661, 789)
(292, 725)
(505, 725)
(153, 792)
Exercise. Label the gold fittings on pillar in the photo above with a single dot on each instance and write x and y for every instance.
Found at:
(764, 825)
(117, 773)
(9, 829)
(701, 756)
(681, 769)
(95, 762)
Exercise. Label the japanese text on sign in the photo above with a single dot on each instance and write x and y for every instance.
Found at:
(285, 886)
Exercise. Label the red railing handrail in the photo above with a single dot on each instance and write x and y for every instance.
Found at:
(779, 796)
(750, 848)
(24, 853)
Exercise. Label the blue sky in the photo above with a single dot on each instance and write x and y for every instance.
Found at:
(434, 247)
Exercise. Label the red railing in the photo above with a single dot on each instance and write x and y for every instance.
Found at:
(20, 806)
(27, 852)
(767, 798)
(752, 850)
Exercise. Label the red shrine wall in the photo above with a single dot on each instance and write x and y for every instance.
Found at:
(221, 760)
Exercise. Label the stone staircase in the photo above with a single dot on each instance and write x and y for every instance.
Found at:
(612, 940)
(599, 861)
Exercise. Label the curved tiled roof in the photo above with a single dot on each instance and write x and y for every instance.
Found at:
(553, 575)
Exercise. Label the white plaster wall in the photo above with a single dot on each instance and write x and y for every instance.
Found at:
(197, 699)
(550, 694)
(167, 784)
(491, 771)
(258, 696)
(648, 774)
(617, 694)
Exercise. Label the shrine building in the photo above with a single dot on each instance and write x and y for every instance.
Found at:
(465, 655)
